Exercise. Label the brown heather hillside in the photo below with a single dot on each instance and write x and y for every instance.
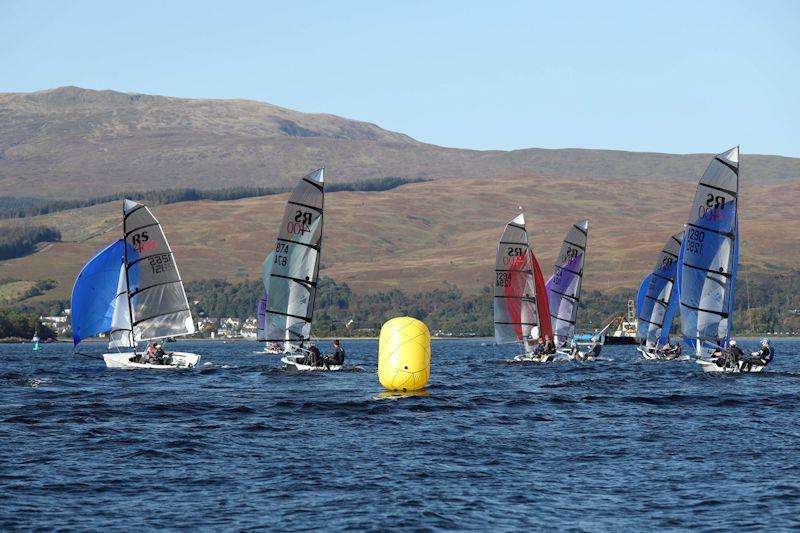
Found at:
(78, 143)
(422, 235)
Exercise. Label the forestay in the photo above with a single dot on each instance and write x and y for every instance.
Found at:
(292, 281)
(656, 301)
(94, 293)
(564, 286)
(515, 313)
(709, 255)
(157, 301)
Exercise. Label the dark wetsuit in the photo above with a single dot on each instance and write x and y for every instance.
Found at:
(549, 347)
(763, 358)
(336, 358)
(313, 357)
(729, 356)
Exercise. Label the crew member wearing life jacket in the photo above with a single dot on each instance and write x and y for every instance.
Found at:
(336, 358)
(729, 356)
(549, 346)
(761, 357)
(313, 357)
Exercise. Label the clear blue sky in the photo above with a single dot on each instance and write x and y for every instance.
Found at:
(647, 76)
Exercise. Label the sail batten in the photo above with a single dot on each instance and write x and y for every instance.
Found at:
(291, 271)
(515, 299)
(158, 304)
(564, 286)
(709, 253)
(656, 299)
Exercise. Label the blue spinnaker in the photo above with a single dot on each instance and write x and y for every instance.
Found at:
(94, 292)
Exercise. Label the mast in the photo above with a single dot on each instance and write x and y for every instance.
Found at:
(127, 281)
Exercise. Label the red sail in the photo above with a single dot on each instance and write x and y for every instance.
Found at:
(542, 301)
(515, 290)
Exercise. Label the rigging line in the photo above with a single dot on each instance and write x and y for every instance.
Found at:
(101, 232)
(87, 355)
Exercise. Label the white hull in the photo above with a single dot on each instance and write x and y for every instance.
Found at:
(711, 366)
(531, 358)
(123, 360)
(295, 361)
(655, 355)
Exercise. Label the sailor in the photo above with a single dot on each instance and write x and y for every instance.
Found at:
(549, 346)
(539, 346)
(573, 347)
(760, 357)
(150, 355)
(160, 355)
(336, 358)
(313, 357)
(671, 351)
(728, 356)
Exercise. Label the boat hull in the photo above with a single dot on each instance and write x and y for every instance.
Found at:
(739, 367)
(296, 362)
(652, 355)
(531, 358)
(123, 360)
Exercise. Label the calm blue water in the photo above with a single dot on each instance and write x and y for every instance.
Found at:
(241, 443)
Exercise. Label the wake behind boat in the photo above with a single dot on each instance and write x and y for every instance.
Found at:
(133, 291)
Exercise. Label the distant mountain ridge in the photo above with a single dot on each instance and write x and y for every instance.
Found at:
(71, 142)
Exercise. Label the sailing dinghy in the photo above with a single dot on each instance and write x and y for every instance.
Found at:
(290, 278)
(517, 286)
(708, 265)
(133, 291)
(564, 292)
(656, 303)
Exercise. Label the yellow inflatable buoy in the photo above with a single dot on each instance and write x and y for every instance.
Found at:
(404, 354)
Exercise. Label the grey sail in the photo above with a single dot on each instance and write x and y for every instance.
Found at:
(709, 255)
(157, 304)
(564, 286)
(515, 313)
(291, 283)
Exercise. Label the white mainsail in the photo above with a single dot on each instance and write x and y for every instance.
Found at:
(151, 302)
(515, 314)
(291, 283)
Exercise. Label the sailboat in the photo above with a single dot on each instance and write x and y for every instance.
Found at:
(657, 301)
(709, 261)
(564, 290)
(133, 291)
(292, 270)
(517, 285)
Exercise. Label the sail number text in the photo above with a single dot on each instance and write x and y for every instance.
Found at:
(695, 238)
(299, 226)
